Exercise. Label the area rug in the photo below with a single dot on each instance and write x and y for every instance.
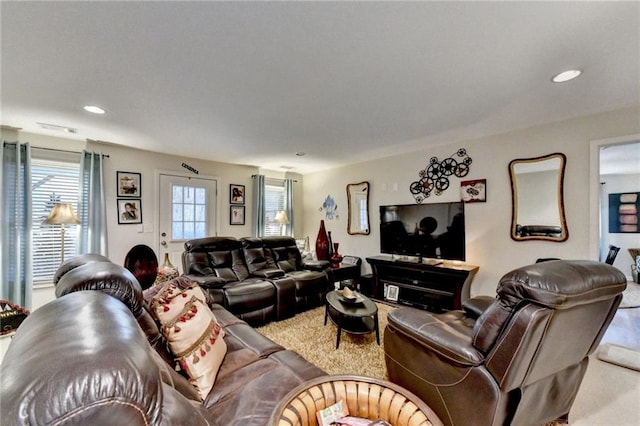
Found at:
(358, 354)
(619, 355)
(631, 296)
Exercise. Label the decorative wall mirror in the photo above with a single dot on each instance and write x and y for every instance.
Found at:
(358, 202)
(537, 210)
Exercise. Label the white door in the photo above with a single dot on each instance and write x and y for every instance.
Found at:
(187, 211)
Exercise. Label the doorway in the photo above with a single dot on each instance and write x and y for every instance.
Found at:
(618, 172)
(187, 210)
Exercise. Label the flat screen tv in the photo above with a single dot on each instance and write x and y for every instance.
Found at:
(433, 230)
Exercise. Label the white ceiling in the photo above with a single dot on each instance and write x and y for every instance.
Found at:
(255, 82)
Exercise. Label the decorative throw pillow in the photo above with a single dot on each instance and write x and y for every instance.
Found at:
(196, 340)
(169, 301)
(192, 331)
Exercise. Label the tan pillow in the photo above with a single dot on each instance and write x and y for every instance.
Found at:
(170, 301)
(192, 332)
(196, 340)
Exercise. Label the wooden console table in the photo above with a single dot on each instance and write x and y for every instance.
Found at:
(436, 288)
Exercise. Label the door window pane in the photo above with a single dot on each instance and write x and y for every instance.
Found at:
(189, 212)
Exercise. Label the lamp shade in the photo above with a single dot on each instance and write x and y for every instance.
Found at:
(62, 214)
(281, 217)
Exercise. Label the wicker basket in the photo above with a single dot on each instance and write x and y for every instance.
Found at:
(365, 396)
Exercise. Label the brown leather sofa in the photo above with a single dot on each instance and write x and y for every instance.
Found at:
(312, 278)
(85, 359)
(521, 360)
(249, 277)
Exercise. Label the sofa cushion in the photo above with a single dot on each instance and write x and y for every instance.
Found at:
(222, 262)
(199, 263)
(282, 257)
(172, 378)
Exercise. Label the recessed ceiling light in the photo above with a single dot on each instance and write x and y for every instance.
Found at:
(566, 76)
(94, 109)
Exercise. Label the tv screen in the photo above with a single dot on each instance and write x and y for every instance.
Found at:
(434, 230)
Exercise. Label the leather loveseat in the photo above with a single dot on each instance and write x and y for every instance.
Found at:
(85, 358)
(257, 279)
(518, 361)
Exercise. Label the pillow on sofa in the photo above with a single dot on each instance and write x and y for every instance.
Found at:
(196, 340)
(192, 331)
(169, 300)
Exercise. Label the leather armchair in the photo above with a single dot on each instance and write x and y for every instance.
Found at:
(521, 361)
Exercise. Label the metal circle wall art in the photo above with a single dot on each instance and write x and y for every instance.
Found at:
(435, 177)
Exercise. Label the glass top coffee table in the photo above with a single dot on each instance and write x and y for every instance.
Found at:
(357, 317)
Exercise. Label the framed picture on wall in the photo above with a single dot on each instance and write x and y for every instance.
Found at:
(128, 184)
(624, 213)
(473, 191)
(236, 215)
(236, 194)
(129, 211)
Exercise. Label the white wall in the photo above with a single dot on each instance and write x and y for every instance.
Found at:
(487, 224)
(122, 237)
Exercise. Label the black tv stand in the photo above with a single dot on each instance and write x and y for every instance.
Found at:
(434, 287)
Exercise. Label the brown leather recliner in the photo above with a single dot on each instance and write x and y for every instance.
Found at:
(218, 265)
(522, 360)
(312, 281)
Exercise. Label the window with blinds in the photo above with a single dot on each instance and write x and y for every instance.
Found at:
(273, 202)
(52, 182)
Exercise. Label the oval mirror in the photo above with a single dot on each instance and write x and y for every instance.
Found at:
(358, 204)
(537, 211)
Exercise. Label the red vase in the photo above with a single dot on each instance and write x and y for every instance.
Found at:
(336, 257)
(322, 243)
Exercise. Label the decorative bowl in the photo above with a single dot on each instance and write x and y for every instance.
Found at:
(365, 397)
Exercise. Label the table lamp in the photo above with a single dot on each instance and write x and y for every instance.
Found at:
(62, 214)
(282, 219)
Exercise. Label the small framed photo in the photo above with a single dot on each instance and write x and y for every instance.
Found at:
(236, 194)
(236, 215)
(128, 184)
(392, 293)
(129, 211)
(473, 191)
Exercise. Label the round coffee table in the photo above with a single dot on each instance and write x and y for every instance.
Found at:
(360, 317)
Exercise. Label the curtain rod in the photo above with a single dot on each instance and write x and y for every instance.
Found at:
(254, 176)
(64, 150)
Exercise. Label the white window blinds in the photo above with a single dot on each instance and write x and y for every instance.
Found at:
(274, 201)
(52, 182)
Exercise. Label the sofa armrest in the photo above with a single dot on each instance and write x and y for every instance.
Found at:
(475, 306)
(316, 265)
(207, 281)
(268, 273)
(285, 297)
(446, 334)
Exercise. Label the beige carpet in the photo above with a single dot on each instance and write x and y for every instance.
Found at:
(358, 353)
(609, 394)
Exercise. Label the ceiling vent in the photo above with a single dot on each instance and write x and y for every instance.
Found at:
(57, 128)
